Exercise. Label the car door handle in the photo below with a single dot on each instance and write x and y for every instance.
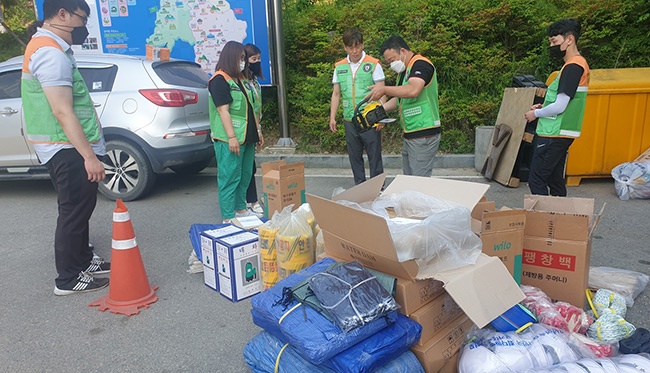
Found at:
(96, 104)
(8, 111)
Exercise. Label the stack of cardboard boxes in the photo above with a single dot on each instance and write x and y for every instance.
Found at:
(547, 244)
(448, 304)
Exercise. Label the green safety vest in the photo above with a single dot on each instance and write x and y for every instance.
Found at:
(354, 87)
(256, 97)
(420, 113)
(41, 125)
(238, 110)
(568, 123)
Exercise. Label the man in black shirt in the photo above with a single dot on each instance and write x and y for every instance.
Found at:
(416, 97)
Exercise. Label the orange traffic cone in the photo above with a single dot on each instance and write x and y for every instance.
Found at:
(129, 288)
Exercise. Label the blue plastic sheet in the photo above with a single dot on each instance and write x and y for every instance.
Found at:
(262, 351)
(195, 236)
(314, 337)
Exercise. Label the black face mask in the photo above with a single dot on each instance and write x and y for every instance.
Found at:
(556, 52)
(256, 68)
(79, 35)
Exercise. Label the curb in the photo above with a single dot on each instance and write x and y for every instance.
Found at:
(342, 161)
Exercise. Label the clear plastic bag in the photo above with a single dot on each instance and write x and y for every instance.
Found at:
(294, 244)
(632, 180)
(268, 254)
(434, 232)
(628, 284)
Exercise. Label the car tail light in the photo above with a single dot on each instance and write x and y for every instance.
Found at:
(170, 97)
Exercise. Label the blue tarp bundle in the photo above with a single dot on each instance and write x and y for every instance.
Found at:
(317, 339)
(262, 351)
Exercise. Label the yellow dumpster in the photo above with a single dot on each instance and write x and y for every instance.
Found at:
(616, 126)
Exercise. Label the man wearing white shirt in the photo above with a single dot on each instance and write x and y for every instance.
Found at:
(352, 77)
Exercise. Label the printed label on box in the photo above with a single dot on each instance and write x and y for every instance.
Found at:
(207, 252)
(550, 260)
(210, 277)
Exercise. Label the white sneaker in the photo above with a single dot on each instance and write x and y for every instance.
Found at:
(256, 208)
(244, 214)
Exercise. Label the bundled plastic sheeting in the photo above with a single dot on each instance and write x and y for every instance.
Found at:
(264, 351)
(314, 336)
(628, 284)
(637, 363)
(434, 232)
(538, 346)
(351, 295)
(632, 180)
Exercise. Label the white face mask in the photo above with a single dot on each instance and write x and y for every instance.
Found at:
(398, 66)
(242, 65)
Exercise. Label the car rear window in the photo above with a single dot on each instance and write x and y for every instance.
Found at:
(10, 84)
(99, 79)
(181, 73)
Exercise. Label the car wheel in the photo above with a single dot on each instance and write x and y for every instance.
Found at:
(192, 168)
(129, 175)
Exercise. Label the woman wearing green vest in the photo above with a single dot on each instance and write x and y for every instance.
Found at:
(235, 130)
(560, 117)
(254, 71)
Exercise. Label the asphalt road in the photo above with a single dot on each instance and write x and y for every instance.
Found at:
(191, 328)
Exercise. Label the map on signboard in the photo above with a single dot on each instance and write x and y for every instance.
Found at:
(193, 30)
(207, 25)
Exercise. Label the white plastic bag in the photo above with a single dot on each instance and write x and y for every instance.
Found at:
(434, 232)
(632, 180)
(628, 284)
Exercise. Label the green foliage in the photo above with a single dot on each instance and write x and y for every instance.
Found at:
(477, 47)
(18, 14)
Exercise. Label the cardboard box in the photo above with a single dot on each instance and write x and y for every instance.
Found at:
(412, 295)
(435, 316)
(157, 53)
(557, 246)
(283, 185)
(502, 234)
(209, 252)
(451, 366)
(238, 265)
(483, 290)
(444, 347)
(645, 156)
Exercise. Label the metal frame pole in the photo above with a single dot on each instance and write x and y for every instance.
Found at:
(281, 81)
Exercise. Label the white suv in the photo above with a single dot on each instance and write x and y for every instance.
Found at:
(154, 116)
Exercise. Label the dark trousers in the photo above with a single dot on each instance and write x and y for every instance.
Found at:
(356, 141)
(251, 192)
(76, 199)
(547, 166)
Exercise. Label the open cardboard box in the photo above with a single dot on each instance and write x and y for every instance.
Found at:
(483, 290)
(557, 245)
(502, 234)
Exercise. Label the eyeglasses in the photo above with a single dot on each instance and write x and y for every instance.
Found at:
(83, 18)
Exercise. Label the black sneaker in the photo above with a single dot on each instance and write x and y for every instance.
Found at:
(98, 266)
(83, 283)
